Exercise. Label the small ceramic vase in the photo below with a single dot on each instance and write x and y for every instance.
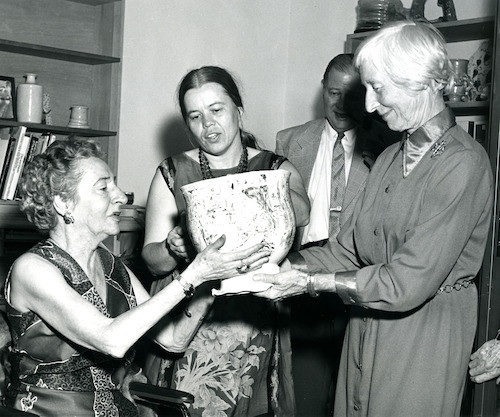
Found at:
(248, 208)
(79, 116)
(29, 100)
(457, 89)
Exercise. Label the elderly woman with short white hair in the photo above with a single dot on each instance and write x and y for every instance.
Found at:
(407, 261)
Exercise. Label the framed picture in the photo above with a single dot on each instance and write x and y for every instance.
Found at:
(7, 97)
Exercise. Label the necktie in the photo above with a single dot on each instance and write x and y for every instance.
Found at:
(337, 186)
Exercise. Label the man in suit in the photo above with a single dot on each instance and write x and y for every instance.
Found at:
(318, 325)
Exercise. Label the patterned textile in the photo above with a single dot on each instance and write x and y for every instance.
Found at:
(49, 373)
(239, 361)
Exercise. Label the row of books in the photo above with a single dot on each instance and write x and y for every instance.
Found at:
(17, 149)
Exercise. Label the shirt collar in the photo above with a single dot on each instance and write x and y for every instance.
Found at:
(419, 142)
(349, 135)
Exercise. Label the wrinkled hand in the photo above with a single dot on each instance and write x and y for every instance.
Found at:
(179, 243)
(212, 264)
(485, 362)
(286, 284)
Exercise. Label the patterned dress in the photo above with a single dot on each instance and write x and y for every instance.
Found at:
(50, 374)
(238, 363)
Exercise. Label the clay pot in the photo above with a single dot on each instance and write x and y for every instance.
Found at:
(248, 208)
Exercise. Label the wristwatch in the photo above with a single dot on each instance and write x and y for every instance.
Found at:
(187, 287)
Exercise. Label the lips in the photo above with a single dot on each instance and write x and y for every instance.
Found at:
(212, 136)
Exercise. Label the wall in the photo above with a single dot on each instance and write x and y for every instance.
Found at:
(277, 49)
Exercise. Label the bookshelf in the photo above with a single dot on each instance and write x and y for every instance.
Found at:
(75, 48)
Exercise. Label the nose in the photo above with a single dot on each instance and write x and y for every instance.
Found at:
(119, 197)
(208, 120)
(371, 102)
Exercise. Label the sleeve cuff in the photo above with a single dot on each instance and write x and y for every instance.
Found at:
(346, 287)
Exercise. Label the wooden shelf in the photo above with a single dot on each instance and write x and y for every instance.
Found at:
(470, 108)
(58, 130)
(93, 2)
(456, 31)
(55, 53)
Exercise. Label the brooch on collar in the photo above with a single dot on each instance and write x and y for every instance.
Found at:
(438, 148)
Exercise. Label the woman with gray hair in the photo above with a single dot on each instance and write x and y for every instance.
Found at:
(407, 261)
(75, 309)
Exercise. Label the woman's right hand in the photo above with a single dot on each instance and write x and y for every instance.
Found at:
(180, 244)
(211, 264)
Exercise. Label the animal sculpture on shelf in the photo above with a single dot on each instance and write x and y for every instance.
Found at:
(418, 6)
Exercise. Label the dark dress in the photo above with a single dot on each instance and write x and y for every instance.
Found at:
(238, 363)
(407, 264)
(51, 376)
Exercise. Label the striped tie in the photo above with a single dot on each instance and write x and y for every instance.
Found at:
(337, 185)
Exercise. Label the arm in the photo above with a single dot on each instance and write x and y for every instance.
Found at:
(292, 282)
(454, 214)
(37, 285)
(161, 216)
(298, 193)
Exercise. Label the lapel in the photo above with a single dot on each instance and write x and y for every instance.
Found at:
(362, 162)
(306, 149)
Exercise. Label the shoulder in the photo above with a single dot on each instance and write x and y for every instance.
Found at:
(264, 159)
(301, 129)
(458, 147)
(28, 269)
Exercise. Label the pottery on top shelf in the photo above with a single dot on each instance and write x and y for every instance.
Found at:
(248, 208)
(29, 100)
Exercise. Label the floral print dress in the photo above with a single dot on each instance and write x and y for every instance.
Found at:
(239, 361)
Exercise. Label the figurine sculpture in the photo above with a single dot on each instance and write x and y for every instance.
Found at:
(418, 6)
(248, 208)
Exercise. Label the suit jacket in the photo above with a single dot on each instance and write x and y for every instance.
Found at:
(300, 145)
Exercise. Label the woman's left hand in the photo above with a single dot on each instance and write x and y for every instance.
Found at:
(211, 264)
(286, 284)
(485, 362)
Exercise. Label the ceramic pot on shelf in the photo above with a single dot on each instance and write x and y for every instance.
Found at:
(247, 208)
(29, 100)
(79, 116)
(457, 90)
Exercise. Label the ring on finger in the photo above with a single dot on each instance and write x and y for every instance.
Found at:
(243, 268)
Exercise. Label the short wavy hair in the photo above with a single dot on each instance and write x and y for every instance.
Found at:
(55, 172)
(413, 55)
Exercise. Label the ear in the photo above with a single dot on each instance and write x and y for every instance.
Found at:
(62, 207)
(240, 118)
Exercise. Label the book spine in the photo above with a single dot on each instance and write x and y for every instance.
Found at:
(16, 168)
(6, 163)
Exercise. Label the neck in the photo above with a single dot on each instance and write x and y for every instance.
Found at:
(80, 248)
(228, 159)
(434, 107)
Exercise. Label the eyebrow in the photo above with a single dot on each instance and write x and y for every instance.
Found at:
(210, 105)
(102, 179)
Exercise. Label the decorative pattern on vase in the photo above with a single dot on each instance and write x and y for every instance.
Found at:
(247, 208)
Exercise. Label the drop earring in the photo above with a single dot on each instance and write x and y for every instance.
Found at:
(68, 218)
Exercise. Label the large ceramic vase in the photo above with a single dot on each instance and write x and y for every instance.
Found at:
(247, 208)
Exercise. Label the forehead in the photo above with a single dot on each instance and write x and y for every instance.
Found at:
(370, 74)
(339, 79)
(93, 169)
(206, 94)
